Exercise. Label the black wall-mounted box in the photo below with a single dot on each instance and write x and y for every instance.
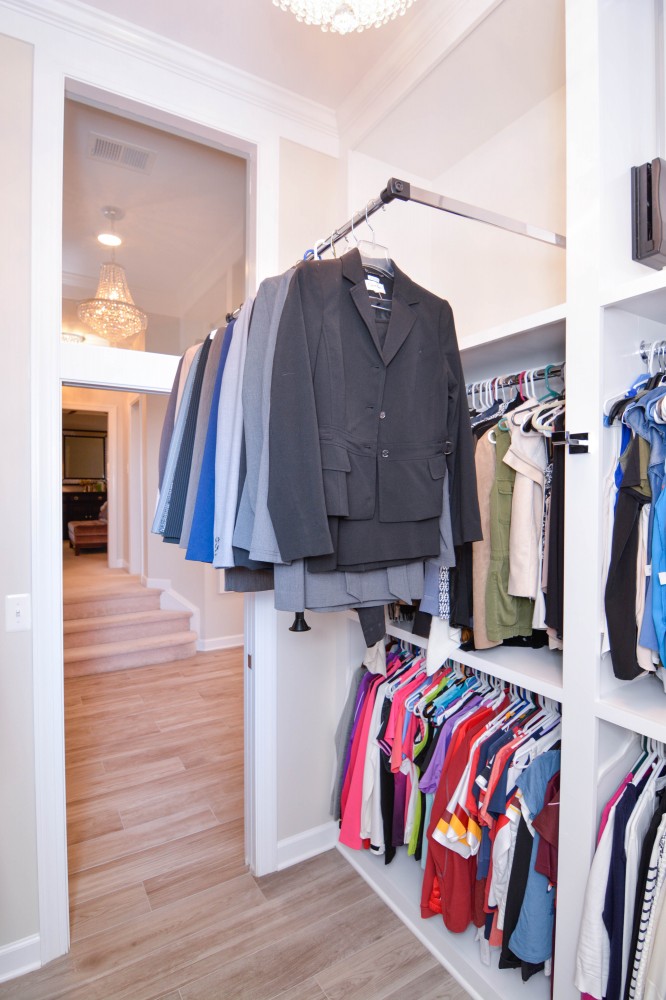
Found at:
(648, 213)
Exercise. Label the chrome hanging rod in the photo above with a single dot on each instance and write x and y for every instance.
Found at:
(656, 349)
(535, 374)
(404, 191)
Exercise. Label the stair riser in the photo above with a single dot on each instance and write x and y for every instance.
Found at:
(124, 632)
(129, 661)
(96, 607)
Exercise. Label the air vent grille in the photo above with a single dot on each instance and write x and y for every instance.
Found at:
(108, 150)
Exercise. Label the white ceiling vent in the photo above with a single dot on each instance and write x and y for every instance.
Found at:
(102, 147)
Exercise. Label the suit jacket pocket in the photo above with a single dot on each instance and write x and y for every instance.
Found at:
(411, 489)
(336, 467)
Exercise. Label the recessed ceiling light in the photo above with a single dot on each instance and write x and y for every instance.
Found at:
(109, 240)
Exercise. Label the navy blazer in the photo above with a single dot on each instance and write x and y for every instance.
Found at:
(364, 419)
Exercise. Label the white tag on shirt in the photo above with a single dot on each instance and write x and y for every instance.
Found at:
(662, 578)
(374, 285)
(648, 569)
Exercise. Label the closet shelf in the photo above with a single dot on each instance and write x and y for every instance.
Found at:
(399, 885)
(644, 296)
(639, 706)
(539, 670)
(528, 341)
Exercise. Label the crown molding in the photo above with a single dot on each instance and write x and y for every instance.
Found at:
(128, 39)
(433, 31)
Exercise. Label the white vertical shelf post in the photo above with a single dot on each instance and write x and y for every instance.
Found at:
(583, 552)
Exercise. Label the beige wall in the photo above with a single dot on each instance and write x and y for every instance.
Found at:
(18, 860)
(490, 276)
(312, 202)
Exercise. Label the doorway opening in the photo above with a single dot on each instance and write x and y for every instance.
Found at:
(154, 774)
(155, 809)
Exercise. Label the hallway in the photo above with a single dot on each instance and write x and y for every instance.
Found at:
(161, 902)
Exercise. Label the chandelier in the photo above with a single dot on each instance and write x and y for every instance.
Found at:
(112, 313)
(344, 16)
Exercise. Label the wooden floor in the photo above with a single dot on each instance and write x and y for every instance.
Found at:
(162, 904)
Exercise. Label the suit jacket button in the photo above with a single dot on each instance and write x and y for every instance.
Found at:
(385, 453)
(382, 415)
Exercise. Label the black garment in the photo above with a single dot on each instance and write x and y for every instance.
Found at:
(643, 869)
(460, 577)
(361, 433)
(613, 912)
(516, 893)
(555, 571)
(181, 479)
(620, 594)
(373, 623)
(241, 580)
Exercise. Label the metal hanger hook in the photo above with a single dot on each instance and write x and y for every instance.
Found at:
(374, 238)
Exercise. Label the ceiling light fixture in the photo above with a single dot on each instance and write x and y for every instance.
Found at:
(112, 313)
(344, 16)
(109, 240)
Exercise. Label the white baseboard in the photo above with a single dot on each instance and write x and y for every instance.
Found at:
(20, 957)
(171, 600)
(221, 642)
(118, 564)
(306, 845)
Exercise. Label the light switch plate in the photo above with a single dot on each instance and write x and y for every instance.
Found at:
(18, 617)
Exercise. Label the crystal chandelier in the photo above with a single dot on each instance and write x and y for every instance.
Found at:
(344, 16)
(112, 313)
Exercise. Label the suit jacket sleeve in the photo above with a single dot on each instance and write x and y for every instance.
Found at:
(296, 501)
(465, 518)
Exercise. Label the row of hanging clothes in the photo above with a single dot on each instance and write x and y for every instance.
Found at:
(462, 772)
(634, 516)
(320, 445)
(508, 586)
(622, 947)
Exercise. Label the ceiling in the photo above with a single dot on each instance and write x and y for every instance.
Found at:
(184, 216)
(259, 38)
(184, 223)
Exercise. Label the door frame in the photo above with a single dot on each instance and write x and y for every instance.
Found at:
(136, 505)
(54, 364)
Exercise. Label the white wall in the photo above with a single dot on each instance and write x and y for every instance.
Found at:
(18, 872)
(490, 276)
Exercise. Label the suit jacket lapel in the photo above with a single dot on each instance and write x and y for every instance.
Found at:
(402, 317)
(352, 269)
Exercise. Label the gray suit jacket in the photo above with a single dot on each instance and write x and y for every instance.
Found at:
(362, 427)
(254, 528)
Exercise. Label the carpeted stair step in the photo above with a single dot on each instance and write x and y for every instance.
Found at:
(116, 600)
(123, 627)
(104, 657)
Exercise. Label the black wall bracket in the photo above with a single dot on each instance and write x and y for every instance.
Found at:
(577, 443)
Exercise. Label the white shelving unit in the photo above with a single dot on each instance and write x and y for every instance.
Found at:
(615, 119)
(539, 670)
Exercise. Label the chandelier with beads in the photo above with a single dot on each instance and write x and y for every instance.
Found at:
(345, 16)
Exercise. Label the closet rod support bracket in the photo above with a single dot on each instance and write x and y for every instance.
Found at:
(576, 442)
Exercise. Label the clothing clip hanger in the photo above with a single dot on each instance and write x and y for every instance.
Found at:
(371, 257)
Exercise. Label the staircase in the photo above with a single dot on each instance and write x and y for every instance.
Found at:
(118, 624)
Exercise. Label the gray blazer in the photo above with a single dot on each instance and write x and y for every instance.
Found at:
(254, 528)
(364, 427)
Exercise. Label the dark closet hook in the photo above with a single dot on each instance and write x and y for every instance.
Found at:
(299, 623)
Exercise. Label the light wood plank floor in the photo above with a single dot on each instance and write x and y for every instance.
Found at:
(162, 904)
